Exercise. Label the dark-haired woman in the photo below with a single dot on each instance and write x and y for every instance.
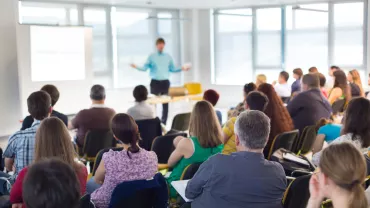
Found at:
(341, 89)
(130, 164)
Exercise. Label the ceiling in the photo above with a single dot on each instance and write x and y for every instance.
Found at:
(186, 4)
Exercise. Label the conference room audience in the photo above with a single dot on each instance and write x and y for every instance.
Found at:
(212, 97)
(205, 141)
(313, 70)
(240, 107)
(283, 89)
(21, 146)
(51, 183)
(310, 105)
(296, 86)
(52, 141)
(322, 85)
(280, 119)
(97, 117)
(130, 164)
(327, 131)
(141, 110)
(54, 95)
(243, 179)
(341, 89)
(254, 101)
(260, 79)
(342, 171)
(330, 80)
(356, 127)
(355, 83)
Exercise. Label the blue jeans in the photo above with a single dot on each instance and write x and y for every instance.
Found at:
(91, 186)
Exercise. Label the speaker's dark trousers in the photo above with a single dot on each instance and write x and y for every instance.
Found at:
(161, 87)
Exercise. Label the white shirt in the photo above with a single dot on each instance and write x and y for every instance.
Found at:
(141, 111)
(283, 90)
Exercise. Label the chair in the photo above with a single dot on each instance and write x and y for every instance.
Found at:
(99, 157)
(285, 99)
(181, 122)
(190, 171)
(85, 202)
(141, 194)
(193, 88)
(306, 140)
(284, 140)
(149, 129)
(297, 193)
(96, 140)
(338, 106)
(163, 146)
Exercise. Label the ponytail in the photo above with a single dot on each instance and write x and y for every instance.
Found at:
(358, 198)
(134, 148)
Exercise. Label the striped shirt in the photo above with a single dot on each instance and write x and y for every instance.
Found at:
(21, 147)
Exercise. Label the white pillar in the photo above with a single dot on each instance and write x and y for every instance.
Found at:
(9, 91)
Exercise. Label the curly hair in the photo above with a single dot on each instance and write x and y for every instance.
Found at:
(280, 119)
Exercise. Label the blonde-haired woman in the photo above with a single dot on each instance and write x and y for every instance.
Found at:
(260, 79)
(354, 80)
(204, 141)
(342, 172)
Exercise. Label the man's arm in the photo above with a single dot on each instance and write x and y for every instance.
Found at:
(9, 153)
(195, 186)
(172, 67)
(147, 65)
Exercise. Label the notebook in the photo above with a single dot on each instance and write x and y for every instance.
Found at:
(294, 158)
(180, 187)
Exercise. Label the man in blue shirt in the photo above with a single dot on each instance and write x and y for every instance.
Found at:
(160, 65)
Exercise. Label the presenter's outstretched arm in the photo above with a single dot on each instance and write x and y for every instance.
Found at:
(147, 65)
(172, 67)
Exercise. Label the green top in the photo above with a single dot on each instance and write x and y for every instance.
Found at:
(200, 155)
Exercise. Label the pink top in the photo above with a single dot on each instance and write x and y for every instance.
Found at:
(324, 92)
(120, 168)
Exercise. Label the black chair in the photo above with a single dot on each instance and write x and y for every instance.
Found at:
(338, 106)
(99, 157)
(85, 202)
(190, 171)
(149, 129)
(297, 193)
(181, 122)
(306, 140)
(163, 146)
(96, 140)
(284, 140)
(141, 194)
(285, 99)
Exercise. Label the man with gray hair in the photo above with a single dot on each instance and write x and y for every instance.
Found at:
(243, 179)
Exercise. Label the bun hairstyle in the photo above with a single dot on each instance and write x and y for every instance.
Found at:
(126, 130)
(346, 167)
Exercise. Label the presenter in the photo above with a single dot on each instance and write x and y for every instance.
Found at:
(160, 65)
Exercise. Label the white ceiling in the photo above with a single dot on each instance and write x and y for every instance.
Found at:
(198, 4)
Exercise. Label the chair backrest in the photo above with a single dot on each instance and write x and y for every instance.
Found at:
(181, 122)
(338, 106)
(149, 129)
(85, 202)
(99, 157)
(163, 146)
(190, 171)
(297, 193)
(308, 139)
(97, 140)
(141, 194)
(284, 140)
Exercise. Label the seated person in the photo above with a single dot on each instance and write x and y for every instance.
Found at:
(142, 110)
(130, 164)
(20, 150)
(97, 117)
(51, 183)
(341, 89)
(313, 70)
(240, 107)
(54, 94)
(260, 79)
(254, 101)
(283, 89)
(327, 132)
(322, 85)
(52, 141)
(204, 141)
(296, 86)
(212, 97)
(355, 83)
(243, 179)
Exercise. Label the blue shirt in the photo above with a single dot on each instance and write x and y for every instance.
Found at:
(160, 65)
(21, 148)
(296, 86)
(331, 131)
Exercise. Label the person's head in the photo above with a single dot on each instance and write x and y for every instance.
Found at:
(252, 129)
(51, 184)
(160, 43)
(97, 94)
(125, 129)
(310, 81)
(340, 81)
(211, 96)
(248, 88)
(343, 170)
(297, 73)
(53, 141)
(39, 105)
(322, 122)
(53, 92)
(313, 70)
(261, 78)
(140, 93)
(322, 79)
(256, 101)
(332, 69)
(354, 76)
(357, 120)
(204, 125)
(283, 77)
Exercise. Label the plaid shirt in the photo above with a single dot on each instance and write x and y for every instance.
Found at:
(21, 147)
